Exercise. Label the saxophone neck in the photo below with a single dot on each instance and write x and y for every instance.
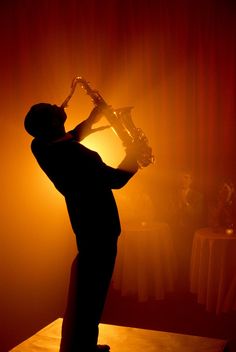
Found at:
(120, 121)
(93, 93)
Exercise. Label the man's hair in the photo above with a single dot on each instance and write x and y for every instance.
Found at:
(39, 121)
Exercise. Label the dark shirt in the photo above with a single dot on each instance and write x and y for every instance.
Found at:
(183, 216)
(86, 182)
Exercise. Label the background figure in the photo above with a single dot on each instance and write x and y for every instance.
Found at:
(184, 214)
(80, 175)
(222, 211)
(136, 207)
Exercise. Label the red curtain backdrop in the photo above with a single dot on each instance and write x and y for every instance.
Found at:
(173, 60)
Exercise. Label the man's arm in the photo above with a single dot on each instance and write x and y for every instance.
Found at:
(117, 177)
(84, 129)
(114, 177)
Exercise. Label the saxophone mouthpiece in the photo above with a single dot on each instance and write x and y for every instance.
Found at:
(73, 86)
(76, 80)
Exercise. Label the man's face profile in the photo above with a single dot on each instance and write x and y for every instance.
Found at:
(45, 121)
(185, 180)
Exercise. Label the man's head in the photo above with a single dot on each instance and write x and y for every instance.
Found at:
(184, 179)
(45, 121)
(226, 192)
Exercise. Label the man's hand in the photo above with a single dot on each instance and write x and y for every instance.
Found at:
(84, 129)
(95, 114)
(141, 152)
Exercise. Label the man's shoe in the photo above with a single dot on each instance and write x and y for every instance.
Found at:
(103, 348)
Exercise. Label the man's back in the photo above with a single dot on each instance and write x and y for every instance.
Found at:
(85, 181)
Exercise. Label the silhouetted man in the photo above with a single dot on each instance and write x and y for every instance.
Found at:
(86, 183)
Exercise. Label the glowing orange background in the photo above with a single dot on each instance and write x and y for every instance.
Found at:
(174, 61)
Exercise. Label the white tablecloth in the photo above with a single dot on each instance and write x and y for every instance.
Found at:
(145, 264)
(213, 270)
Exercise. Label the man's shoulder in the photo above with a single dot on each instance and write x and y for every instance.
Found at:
(66, 149)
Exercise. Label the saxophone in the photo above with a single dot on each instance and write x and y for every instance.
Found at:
(121, 122)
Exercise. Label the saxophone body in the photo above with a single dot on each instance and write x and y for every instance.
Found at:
(121, 122)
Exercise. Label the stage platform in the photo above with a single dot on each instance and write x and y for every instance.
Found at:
(124, 339)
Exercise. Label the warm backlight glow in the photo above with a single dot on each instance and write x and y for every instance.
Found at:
(174, 64)
(107, 144)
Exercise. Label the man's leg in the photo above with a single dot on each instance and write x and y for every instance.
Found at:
(91, 273)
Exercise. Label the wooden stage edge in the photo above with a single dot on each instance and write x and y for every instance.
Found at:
(124, 339)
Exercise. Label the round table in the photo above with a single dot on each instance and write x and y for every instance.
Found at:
(213, 269)
(145, 264)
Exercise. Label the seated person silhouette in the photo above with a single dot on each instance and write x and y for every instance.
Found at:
(222, 211)
(184, 214)
(86, 182)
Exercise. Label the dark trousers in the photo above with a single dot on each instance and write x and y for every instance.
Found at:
(91, 274)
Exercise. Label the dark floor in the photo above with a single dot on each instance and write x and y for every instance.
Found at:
(178, 313)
